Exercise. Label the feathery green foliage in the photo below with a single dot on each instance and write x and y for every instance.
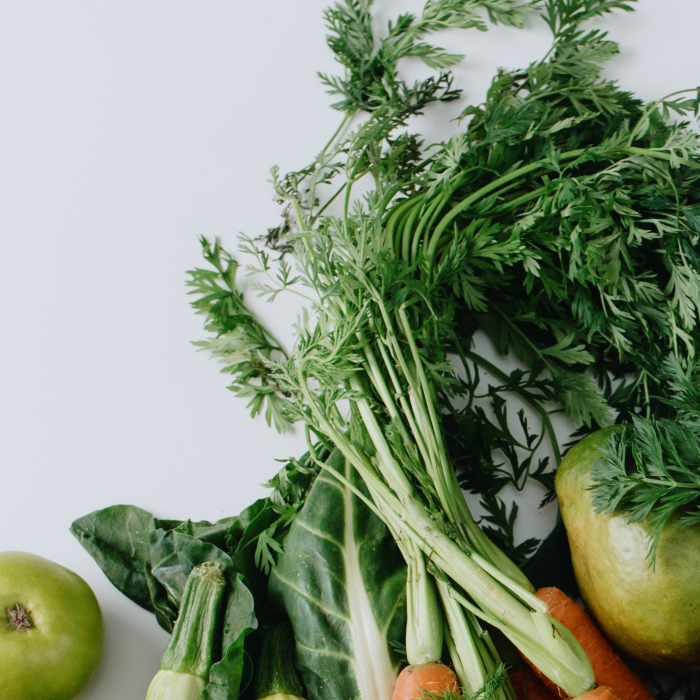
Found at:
(372, 79)
(652, 470)
(563, 187)
(240, 343)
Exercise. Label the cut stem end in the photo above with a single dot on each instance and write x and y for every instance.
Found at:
(18, 618)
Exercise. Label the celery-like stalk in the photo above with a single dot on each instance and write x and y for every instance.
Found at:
(424, 627)
(170, 685)
(277, 678)
(184, 668)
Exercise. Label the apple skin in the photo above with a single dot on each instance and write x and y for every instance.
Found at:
(56, 657)
(650, 615)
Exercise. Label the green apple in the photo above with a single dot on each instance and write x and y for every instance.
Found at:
(51, 629)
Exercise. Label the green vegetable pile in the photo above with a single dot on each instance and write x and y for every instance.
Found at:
(562, 220)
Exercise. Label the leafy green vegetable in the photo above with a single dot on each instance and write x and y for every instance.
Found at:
(173, 556)
(150, 560)
(342, 582)
(121, 539)
(118, 539)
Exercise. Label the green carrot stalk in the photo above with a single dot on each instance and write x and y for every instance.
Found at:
(424, 626)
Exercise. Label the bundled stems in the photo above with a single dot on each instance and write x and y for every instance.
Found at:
(454, 545)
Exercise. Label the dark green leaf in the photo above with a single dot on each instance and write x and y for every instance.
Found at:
(174, 554)
(342, 582)
(230, 676)
(117, 538)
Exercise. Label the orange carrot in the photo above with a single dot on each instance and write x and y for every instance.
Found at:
(602, 692)
(609, 669)
(528, 686)
(432, 678)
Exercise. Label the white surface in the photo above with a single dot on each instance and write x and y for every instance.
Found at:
(127, 129)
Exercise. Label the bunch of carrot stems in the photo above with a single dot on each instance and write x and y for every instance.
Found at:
(361, 382)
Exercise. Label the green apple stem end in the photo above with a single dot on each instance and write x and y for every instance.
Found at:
(18, 617)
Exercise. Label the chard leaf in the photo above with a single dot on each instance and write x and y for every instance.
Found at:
(174, 555)
(342, 582)
(165, 611)
(117, 538)
(214, 533)
(230, 676)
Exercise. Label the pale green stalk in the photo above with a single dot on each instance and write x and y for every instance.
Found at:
(374, 373)
(471, 670)
(424, 626)
(488, 652)
(554, 652)
(481, 653)
(424, 617)
(406, 405)
(445, 479)
(321, 162)
(187, 660)
(460, 672)
(428, 436)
